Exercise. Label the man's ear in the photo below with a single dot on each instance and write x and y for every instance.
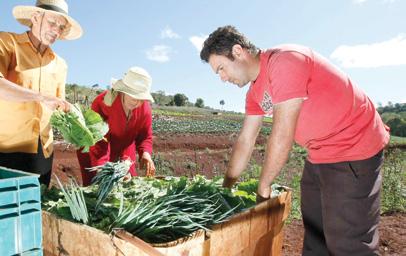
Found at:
(237, 51)
(35, 17)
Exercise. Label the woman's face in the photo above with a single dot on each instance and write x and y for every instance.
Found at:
(130, 103)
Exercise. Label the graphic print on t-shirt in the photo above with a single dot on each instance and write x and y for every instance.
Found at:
(266, 103)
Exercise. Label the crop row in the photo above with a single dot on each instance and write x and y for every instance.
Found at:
(214, 126)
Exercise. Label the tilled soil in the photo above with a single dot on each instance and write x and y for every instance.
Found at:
(392, 231)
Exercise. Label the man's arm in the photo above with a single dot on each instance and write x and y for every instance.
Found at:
(11, 92)
(242, 149)
(279, 143)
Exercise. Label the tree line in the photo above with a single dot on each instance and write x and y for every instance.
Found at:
(86, 94)
(394, 116)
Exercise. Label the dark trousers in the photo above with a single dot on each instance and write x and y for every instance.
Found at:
(340, 206)
(28, 162)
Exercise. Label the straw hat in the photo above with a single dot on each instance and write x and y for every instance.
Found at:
(135, 83)
(23, 15)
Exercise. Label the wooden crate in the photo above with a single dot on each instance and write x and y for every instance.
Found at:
(255, 232)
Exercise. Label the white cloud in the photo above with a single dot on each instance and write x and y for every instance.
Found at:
(198, 41)
(169, 33)
(159, 53)
(360, 2)
(387, 53)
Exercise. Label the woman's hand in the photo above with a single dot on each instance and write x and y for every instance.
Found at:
(147, 164)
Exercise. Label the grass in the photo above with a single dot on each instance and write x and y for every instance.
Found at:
(399, 141)
(394, 181)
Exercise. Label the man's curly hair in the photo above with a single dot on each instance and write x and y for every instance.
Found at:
(221, 42)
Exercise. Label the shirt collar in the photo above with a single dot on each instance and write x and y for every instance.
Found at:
(23, 38)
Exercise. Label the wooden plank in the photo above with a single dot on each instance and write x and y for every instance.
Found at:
(62, 237)
(256, 232)
(279, 210)
(145, 247)
(193, 246)
(232, 237)
(259, 229)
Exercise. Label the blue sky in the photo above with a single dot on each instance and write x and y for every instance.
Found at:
(365, 38)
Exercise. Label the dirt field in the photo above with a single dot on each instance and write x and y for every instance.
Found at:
(209, 154)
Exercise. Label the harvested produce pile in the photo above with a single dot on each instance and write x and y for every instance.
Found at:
(159, 210)
(80, 128)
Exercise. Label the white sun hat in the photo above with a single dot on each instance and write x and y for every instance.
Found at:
(135, 83)
(24, 13)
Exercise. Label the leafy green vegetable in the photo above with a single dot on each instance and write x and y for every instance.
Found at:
(80, 129)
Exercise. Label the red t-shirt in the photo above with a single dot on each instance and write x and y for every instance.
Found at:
(337, 121)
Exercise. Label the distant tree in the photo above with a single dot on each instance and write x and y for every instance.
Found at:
(75, 94)
(397, 126)
(222, 102)
(180, 99)
(160, 98)
(171, 102)
(394, 115)
(199, 103)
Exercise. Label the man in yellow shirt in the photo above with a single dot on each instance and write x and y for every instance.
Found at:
(32, 85)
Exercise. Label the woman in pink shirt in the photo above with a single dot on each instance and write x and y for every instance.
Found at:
(127, 111)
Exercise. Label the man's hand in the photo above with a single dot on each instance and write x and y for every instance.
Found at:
(147, 164)
(229, 182)
(55, 103)
(263, 194)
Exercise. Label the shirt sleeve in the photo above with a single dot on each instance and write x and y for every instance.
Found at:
(60, 90)
(251, 106)
(5, 54)
(144, 138)
(290, 73)
(100, 152)
(99, 107)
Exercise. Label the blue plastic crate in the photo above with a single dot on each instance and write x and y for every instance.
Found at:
(20, 213)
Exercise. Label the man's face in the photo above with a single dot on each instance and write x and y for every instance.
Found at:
(48, 27)
(232, 71)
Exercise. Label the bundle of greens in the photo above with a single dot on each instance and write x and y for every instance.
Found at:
(172, 216)
(107, 176)
(80, 128)
(75, 200)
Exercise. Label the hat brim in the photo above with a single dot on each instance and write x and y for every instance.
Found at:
(120, 86)
(23, 15)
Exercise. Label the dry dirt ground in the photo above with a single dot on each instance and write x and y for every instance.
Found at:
(209, 154)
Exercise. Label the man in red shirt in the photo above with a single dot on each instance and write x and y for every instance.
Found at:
(313, 103)
(127, 111)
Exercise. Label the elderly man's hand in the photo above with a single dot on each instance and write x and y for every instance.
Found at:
(147, 164)
(55, 103)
